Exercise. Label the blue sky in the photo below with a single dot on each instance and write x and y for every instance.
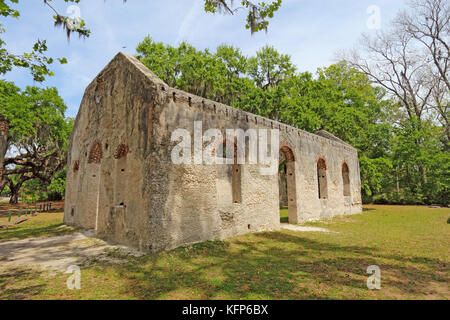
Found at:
(311, 31)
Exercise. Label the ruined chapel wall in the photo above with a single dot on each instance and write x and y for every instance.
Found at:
(155, 205)
(195, 200)
(111, 195)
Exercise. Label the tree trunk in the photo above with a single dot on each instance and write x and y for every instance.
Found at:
(14, 199)
(398, 183)
(4, 129)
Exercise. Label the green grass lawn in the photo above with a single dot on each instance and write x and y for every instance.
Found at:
(45, 224)
(410, 244)
(284, 216)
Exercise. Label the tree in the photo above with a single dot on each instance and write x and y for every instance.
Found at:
(268, 68)
(234, 67)
(411, 61)
(428, 23)
(218, 76)
(394, 65)
(9, 93)
(422, 170)
(258, 12)
(37, 139)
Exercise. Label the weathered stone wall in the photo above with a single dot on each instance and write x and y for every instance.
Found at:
(195, 202)
(112, 195)
(139, 197)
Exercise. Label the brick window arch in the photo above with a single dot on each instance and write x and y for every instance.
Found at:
(121, 151)
(287, 182)
(96, 153)
(288, 153)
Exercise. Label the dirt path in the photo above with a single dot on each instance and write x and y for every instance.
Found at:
(293, 227)
(58, 253)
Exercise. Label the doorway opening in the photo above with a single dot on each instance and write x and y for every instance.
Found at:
(346, 180)
(287, 186)
(231, 178)
(322, 179)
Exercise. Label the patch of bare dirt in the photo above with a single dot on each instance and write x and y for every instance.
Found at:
(303, 228)
(58, 253)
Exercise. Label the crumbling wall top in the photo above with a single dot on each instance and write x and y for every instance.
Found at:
(206, 105)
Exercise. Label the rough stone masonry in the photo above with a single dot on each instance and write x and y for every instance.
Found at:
(122, 183)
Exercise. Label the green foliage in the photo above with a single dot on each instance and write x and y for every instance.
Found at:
(57, 187)
(30, 110)
(258, 13)
(422, 162)
(268, 68)
(373, 173)
(37, 141)
(214, 76)
(35, 60)
(35, 190)
(32, 191)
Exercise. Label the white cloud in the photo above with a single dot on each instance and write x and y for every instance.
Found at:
(189, 20)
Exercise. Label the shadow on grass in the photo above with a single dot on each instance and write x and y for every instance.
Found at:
(284, 219)
(299, 269)
(269, 265)
(11, 279)
(22, 231)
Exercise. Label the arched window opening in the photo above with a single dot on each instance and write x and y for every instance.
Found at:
(282, 183)
(346, 179)
(322, 178)
(287, 153)
(287, 185)
(120, 184)
(90, 208)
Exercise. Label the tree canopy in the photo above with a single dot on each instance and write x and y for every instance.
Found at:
(38, 136)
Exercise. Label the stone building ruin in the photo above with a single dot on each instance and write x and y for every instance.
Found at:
(122, 183)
